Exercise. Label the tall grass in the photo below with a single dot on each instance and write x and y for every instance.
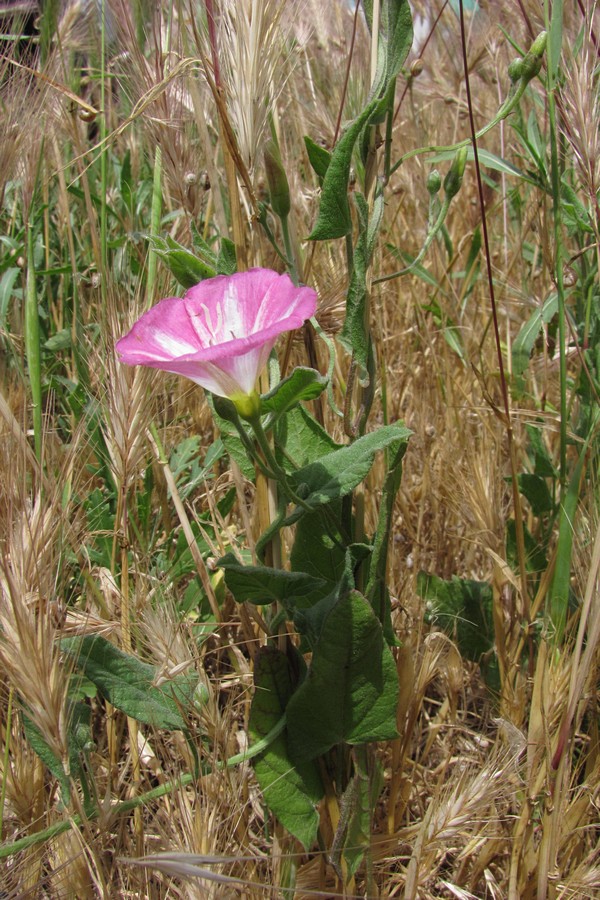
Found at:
(139, 124)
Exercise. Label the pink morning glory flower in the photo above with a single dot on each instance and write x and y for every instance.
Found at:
(221, 332)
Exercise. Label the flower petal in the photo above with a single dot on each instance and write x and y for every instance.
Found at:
(221, 333)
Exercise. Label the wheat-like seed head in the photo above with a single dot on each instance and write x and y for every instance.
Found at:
(252, 47)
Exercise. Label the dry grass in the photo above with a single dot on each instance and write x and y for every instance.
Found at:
(485, 796)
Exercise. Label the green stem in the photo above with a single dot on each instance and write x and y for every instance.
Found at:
(32, 345)
(276, 471)
(289, 249)
(433, 230)
(505, 110)
(168, 787)
(154, 221)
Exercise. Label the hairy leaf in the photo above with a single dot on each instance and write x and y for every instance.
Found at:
(351, 691)
(290, 791)
(130, 684)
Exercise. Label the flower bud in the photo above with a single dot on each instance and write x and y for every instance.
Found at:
(434, 182)
(279, 189)
(532, 61)
(515, 70)
(453, 179)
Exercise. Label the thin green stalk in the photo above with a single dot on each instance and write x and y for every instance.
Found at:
(554, 25)
(32, 345)
(505, 110)
(289, 250)
(154, 221)
(162, 790)
(275, 470)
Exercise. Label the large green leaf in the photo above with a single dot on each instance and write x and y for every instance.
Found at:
(261, 584)
(290, 791)
(316, 552)
(463, 609)
(303, 438)
(351, 691)
(334, 220)
(130, 684)
(338, 473)
(535, 489)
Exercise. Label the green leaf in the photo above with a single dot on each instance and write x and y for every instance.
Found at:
(290, 791)
(79, 738)
(318, 157)
(130, 684)
(377, 590)
(453, 339)
(302, 384)
(183, 264)
(538, 453)
(463, 609)
(351, 691)
(574, 212)
(316, 553)
(60, 341)
(227, 258)
(355, 334)
(535, 552)
(398, 36)
(334, 220)
(338, 473)
(535, 489)
(303, 438)
(309, 622)
(362, 795)
(561, 581)
(489, 160)
(527, 336)
(261, 584)
(7, 288)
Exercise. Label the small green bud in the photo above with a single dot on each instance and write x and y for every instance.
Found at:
(453, 179)
(515, 69)
(434, 182)
(279, 188)
(532, 61)
(247, 405)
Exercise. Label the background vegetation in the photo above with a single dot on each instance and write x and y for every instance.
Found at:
(123, 143)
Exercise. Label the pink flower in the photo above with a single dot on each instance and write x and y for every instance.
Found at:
(221, 332)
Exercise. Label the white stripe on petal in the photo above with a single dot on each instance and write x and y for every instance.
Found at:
(172, 345)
